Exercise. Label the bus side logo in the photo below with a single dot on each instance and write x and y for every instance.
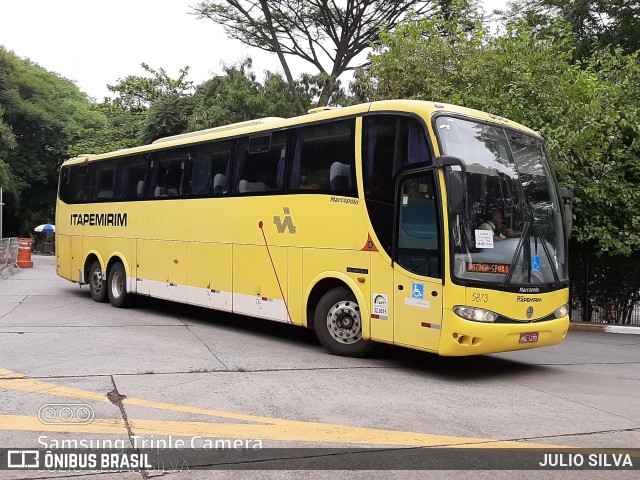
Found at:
(287, 224)
(380, 303)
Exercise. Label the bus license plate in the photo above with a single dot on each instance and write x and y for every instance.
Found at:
(529, 337)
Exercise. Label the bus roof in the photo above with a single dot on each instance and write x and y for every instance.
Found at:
(223, 128)
(424, 108)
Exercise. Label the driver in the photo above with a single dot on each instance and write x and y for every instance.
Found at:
(493, 222)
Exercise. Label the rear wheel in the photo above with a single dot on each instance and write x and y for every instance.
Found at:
(117, 286)
(97, 283)
(338, 324)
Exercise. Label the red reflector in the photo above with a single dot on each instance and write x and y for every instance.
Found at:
(265, 298)
(425, 324)
(375, 316)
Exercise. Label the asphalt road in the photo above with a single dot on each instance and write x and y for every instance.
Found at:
(173, 372)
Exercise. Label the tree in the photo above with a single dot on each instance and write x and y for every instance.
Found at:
(145, 108)
(168, 115)
(318, 32)
(121, 129)
(137, 93)
(7, 141)
(7, 138)
(41, 114)
(589, 112)
(596, 23)
(237, 96)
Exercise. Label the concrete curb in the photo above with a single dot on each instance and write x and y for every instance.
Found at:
(600, 327)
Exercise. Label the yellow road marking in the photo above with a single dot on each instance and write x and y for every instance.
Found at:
(302, 432)
(25, 423)
(264, 428)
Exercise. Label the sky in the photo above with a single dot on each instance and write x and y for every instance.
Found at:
(96, 43)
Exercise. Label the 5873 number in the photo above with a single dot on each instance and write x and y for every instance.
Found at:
(479, 297)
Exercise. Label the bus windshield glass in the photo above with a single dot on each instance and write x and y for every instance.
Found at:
(511, 232)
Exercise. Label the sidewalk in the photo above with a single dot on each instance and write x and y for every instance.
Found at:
(603, 327)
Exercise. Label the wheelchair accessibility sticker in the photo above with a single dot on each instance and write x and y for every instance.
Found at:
(417, 296)
(535, 263)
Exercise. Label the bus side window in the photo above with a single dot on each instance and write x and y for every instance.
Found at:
(132, 174)
(167, 173)
(82, 184)
(65, 180)
(323, 158)
(209, 169)
(261, 164)
(104, 175)
(389, 142)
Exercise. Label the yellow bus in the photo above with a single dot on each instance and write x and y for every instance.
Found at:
(412, 223)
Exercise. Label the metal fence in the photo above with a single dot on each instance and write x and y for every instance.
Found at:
(604, 289)
(8, 255)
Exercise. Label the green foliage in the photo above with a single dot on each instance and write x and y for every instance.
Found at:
(589, 112)
(145, 108)
(168, 115)
(237, 96)
(137, 93)
(41, 114)
(120, 129)
(597, 24)
(7, 141)
(7, 138)
(326, 35)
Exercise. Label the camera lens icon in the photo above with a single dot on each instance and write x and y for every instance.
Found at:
(66, 413)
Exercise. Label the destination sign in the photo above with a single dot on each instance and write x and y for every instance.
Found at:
(487, 267)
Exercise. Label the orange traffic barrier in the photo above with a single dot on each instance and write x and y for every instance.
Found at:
(24, 253)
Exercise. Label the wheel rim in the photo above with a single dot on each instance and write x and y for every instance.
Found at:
(117, 284)
(343, 322)
(96, 281)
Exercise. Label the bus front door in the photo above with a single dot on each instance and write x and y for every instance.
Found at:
(417, 269)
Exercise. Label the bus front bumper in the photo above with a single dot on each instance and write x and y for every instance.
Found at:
(461, 337)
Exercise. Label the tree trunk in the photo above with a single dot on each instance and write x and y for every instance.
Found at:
(283, 60)
(327, 90)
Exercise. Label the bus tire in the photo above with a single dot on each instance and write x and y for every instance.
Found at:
(117, 286)
(97, 283)
(338, 324)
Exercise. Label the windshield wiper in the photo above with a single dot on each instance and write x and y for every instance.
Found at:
(516, 255)
(554, 270)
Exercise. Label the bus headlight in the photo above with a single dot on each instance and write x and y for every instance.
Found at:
(475, 314)
(563, 311)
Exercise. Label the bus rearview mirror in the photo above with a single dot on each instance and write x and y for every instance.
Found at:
(456, 183)
(456, 192)
(567, 196)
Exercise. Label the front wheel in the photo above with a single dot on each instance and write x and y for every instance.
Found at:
(117, 286)
(97, 283)
(338, 324)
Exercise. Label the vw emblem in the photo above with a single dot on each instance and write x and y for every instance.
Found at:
(530, 312)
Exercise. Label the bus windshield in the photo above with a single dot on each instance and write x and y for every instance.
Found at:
(511, 232)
